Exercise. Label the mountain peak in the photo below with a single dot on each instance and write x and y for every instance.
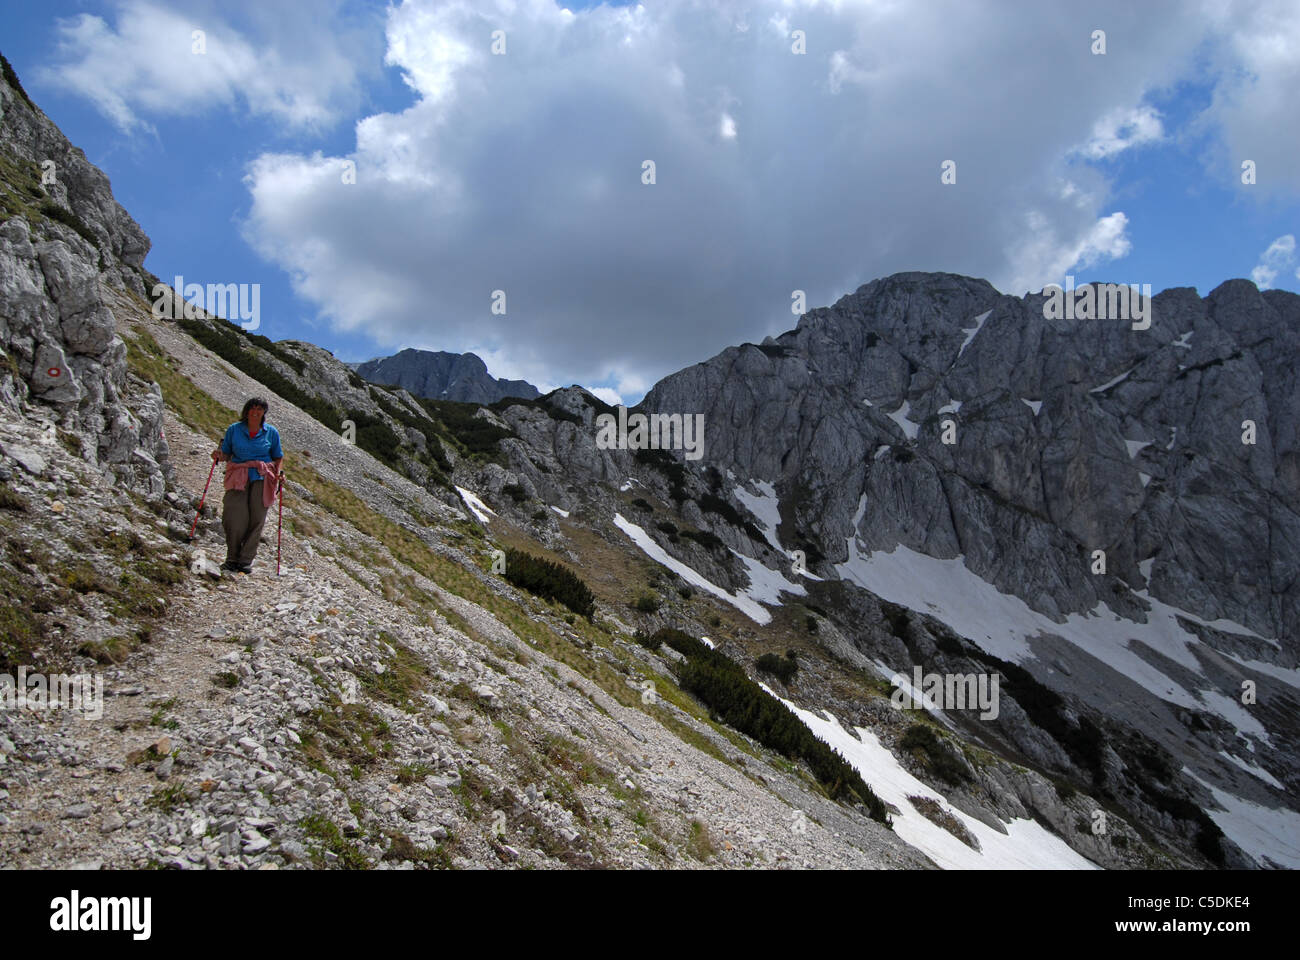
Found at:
(440, 375)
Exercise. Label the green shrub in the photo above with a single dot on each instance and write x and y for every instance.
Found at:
(11, 499)
(711, 503)
(550, 581)
(537, 403)
(647, 601)
(670, 468)
(642, 504)
(223, 338)
(722, 685)
(782, 668)
(375, 436)
(710, 541)
(515, 491)
(11, 78)
(479, 438)
(926, 746)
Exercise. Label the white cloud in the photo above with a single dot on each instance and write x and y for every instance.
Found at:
(522, 172)
(1279, 256)
(612, 397)
(1045, 257)
(1253, 108)
(519, 173)
(1119, 130)
(146, 64)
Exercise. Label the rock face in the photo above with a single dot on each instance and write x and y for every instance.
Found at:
(1070, 436)
(68, 252)
(1071, 442)
(443, 376)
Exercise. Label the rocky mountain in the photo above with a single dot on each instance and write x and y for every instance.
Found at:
(497, 640)
(443, 376)
(1105, 513)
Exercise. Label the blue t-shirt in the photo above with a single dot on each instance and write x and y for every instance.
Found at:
(265, 446)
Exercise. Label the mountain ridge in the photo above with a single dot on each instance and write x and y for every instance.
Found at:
(439, 375)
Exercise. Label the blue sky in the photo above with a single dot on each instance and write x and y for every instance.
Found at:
(775, 170)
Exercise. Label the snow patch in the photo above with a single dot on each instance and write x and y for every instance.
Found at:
(1026, 844)
(563, 513)
(1144, 477)
(765, 506)
(1253, 770)
(1182, 341)
(767, 585)
(1241, 718)
(880, 451)
(971, 332)
(1135, 447)
(476, 506)
(1260, 831)
(903, 682)
(741, 601)
(953, 406)
(1110, 383)
(1034, 405)
(899, 417)
(1003, 624)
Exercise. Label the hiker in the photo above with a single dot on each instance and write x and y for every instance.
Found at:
(251, 449)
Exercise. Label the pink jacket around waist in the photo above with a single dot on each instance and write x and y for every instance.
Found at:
(237, 478)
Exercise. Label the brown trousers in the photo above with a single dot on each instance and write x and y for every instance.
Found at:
(242, 516)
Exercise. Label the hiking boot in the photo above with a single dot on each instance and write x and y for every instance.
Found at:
(230, 565)
(244, 567)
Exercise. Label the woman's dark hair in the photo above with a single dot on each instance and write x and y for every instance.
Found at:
(250, 404)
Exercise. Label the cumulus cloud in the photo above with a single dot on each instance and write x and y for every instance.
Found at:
(774, 171)
(151, 62)
(1044, 251)
(1278, 257)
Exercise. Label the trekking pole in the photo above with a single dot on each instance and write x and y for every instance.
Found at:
(279, 522)
(195, 524)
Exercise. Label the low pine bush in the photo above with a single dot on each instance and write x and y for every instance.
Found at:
(783, 668)
(722, 685)
(550, 581)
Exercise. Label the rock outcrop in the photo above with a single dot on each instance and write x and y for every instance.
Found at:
(68, 253)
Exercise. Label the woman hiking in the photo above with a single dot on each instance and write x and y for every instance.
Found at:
(251, 449)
